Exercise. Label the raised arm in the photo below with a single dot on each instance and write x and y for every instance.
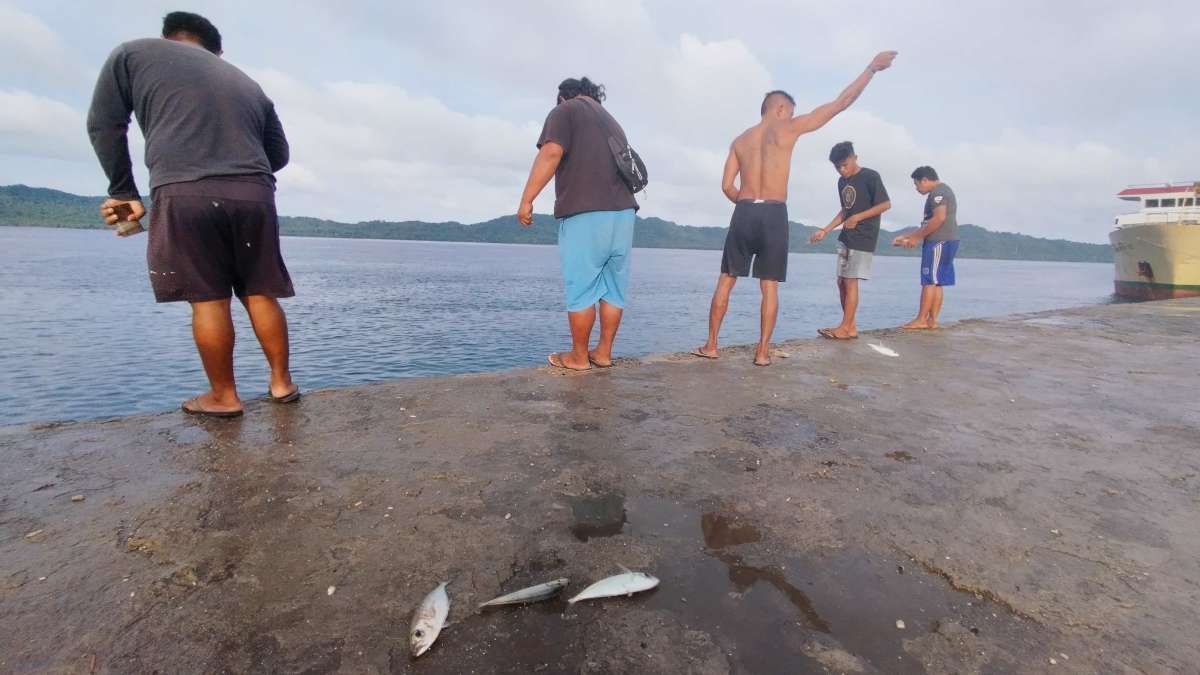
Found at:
(820, 116)
(732, 168)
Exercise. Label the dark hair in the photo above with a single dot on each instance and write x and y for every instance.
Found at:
(924, 173)
(841, 152)
(778, 92)
(571, 87)
(194, 25)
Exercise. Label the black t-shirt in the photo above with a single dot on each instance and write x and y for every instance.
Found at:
(858, 193)
(586, 179)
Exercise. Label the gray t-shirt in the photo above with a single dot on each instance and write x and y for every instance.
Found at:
(586, 179)
(942, 195)
(201, 116)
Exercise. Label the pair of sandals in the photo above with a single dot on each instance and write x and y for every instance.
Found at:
(555, 360)
(198, 411)
(698, 351)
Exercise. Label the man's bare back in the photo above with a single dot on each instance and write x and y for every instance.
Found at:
(764, 157)
(762, 154)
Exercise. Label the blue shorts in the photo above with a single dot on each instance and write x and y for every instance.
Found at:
(594, 249)
(937, 262)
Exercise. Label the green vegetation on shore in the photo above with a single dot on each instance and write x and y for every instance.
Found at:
(42, 207)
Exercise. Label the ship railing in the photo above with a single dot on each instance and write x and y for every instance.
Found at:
(1185, 216)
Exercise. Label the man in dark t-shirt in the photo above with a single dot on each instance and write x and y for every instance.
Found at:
(596, 212)
(863, 200)
(213, 145)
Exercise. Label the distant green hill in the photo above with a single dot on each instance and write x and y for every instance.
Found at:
(41, 207)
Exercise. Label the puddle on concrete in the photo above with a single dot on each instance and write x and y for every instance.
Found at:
(766, 609)
(767, 613)
(597, 516)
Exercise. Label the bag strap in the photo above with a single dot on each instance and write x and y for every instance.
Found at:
(601, 118)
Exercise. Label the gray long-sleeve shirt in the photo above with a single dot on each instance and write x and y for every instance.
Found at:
(200, 115)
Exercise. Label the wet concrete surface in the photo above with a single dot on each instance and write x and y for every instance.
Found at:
(1022, 494)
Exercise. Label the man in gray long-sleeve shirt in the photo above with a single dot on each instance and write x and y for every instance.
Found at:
(213, 144)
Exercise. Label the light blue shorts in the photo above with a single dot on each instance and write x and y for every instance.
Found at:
(594, 250)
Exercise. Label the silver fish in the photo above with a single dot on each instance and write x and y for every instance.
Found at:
(886, 351)
(532, 594)
(626, 584)
(428, 620)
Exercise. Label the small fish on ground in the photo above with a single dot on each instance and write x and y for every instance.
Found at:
(886, 351)
(532, 594)
(428, 620)
(626, 584)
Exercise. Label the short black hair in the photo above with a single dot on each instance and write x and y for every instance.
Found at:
(194, 25)
(923, 173)
(777, 92)
(841, 152)
(571, 87)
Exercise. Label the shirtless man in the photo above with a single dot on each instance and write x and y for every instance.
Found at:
(762, 156)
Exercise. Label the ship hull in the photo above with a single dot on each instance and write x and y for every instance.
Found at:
(1156, 261)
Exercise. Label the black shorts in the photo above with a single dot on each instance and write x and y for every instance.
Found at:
(758, 230)
(214, 238)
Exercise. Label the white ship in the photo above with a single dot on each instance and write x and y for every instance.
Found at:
(1156, 251)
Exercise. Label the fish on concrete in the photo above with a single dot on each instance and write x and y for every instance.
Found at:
(627, 583)
(886, 351)
(532, 594)
(428, 620)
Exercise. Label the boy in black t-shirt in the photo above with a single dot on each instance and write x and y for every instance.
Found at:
(863, 199)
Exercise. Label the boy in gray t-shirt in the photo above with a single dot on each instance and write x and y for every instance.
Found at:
(938, 237)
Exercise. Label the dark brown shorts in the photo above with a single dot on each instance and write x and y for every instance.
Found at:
(214, 238)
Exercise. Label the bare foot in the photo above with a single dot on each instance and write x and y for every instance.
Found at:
(706, 352)
(568, 361)
(762, 358)
(916, 324)
(600, 360)
(208, 404)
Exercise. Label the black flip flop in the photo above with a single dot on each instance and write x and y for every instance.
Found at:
(697, 352)
(201, 412)
(596, 363)
(829, 335)
(290, 398)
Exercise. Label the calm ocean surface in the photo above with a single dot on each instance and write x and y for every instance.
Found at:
(82, 338)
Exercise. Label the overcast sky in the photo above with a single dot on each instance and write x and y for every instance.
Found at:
(1036, 113)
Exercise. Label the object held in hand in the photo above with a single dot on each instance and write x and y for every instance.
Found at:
(126, 227)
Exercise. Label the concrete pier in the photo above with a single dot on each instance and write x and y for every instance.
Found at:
(1021, 495)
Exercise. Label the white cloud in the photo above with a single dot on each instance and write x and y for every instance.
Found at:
(36, 126)
(1035, 113)
(390, 154)
(33, 54)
